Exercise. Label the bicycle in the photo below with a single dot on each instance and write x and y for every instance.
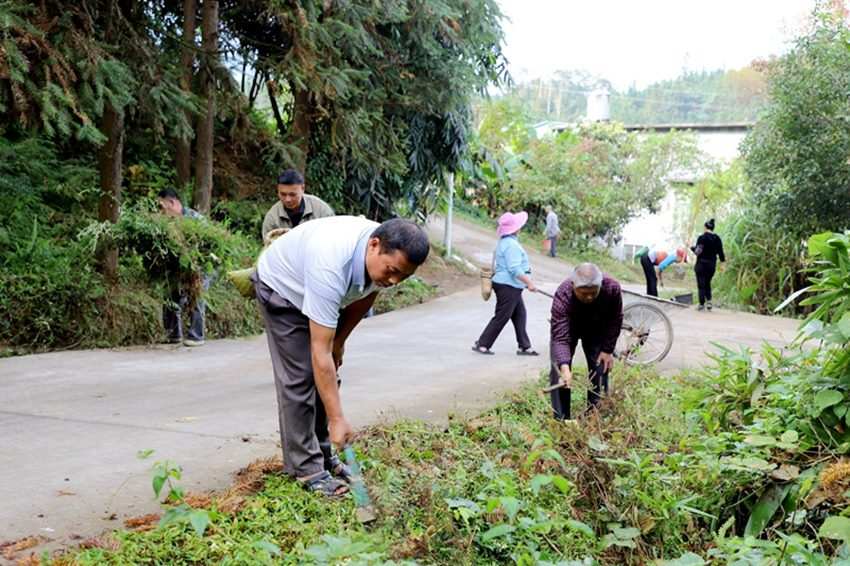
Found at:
(646, 335)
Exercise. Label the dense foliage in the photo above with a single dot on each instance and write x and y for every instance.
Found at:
(105, 102)
(795, 160)
(54, 296)
(596, 176)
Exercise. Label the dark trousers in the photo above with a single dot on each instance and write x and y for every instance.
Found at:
(509, 306)
(172, 312)
(562, 397)
(553, 246)
(303, 422)
(705, 272)
(651, 278)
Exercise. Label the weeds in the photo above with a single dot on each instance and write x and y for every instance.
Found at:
(744, 462)
(510, 486)
(412, 291)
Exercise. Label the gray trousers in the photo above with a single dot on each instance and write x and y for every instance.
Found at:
(553, 246)
(304, 434)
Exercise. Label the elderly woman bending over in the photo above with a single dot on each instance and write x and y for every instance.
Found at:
(588, 306)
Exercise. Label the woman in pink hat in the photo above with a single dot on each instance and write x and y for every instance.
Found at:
(511, 274)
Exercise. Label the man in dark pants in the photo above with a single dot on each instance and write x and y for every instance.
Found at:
(179, 291)
(661, 259)
(588, 307)
(314, 284)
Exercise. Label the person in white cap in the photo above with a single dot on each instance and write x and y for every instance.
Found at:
(511, 275)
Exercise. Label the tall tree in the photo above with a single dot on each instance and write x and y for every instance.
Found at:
(110, 161)
(183, 156)
(111, 153)
(206, 122)
(373, 86)
(796, 155)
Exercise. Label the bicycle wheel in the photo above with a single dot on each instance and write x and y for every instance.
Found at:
(647, 334)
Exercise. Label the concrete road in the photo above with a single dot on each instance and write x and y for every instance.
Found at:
(73, 422)
(694, 331)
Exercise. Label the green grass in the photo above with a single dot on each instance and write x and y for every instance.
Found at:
(509, 486)
(412, 291)
(741, 462)
(671, 469)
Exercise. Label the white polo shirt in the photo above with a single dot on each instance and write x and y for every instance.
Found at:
(320, 266)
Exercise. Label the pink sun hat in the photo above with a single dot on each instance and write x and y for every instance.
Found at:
(510, 223)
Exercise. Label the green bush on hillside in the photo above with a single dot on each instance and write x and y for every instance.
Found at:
(53, 295)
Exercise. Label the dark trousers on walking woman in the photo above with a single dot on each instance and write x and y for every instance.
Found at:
(651, 278)
(704, 271)
(509, 306)
(562, 397)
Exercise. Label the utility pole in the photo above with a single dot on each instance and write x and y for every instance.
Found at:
(447, 237)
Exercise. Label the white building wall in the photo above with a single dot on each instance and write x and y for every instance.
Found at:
(659, 228)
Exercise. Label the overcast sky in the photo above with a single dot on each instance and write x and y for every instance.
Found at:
(642, 41)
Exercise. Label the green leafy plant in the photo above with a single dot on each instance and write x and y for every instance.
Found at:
(166, 474)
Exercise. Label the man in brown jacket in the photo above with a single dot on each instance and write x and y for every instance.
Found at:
(293, 206)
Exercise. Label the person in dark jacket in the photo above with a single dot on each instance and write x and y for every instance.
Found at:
(588, 307)
(708, 249)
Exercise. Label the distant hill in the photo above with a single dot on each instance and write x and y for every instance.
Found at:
(695, 97)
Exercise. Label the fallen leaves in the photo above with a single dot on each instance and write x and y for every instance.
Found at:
(10, 548)
(105, 542)
(143, 522)
(785, 473)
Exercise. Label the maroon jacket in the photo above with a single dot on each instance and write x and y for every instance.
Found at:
(597, 323)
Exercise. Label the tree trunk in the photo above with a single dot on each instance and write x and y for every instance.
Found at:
(183, 157)
(206, 122)
(110, 157)
(272, 90)
(254, 92)
(302, 118)
(110, 161)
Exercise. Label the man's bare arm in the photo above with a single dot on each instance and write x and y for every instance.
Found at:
(324, 375)
(352, 315)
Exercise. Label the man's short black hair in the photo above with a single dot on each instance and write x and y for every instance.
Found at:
(290, 177)
(404, 236)
(168, 193)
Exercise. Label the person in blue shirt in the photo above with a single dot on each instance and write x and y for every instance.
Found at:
(511, 275)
